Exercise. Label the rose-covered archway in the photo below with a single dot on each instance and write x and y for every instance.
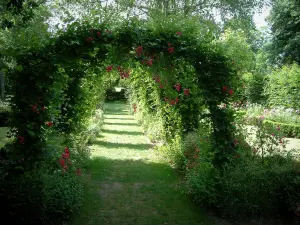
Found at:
(47, 81)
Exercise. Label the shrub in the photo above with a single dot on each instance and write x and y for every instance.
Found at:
(246, 188)
(254, 88)
(42, 195)
(21, 196)
(202, 183)
(5, 111)
(283, 87)
(289, 130)
(276, 114)
(62, 194)
(38, 198)
(202, 178)
(173, 151)
(251, 188)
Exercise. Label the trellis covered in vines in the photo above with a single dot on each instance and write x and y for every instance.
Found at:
(47, 81)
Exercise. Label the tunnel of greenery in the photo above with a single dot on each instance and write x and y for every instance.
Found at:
(169, 72)
(217, 103)
(51, 85)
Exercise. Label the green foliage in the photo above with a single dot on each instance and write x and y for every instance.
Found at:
(287, 120)
(62, 195)
(57, 90)
(254, 189)
(167, 8)
(288, 130)
(202, 184)
(113, 95)
(285, 20)
(283, 87)
(202, 176)
(276, 114)
(22, 197)
(254, 88)
(40, 197)
(173, 151)
(245, 187)
(235, 45)
(16, 13)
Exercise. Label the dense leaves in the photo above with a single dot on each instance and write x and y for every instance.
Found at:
(285, 22)
(283, 87)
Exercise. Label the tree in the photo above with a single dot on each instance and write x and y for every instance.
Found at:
(206, 8)
(17, 12)
(22, 27)
(285, 24)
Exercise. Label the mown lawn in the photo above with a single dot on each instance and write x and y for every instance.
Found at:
(129, 184)
(3, 138)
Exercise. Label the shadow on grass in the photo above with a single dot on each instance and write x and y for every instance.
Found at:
(116, 113)
(113, 145)
(119, 188)
(135, 133)
(130, 170)
(122, 124)
(118, 118)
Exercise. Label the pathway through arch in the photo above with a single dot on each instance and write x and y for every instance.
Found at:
(129, 183)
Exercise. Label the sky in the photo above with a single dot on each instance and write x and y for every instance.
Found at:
(259, 18)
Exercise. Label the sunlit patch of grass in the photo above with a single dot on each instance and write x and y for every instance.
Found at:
(129, 184)
(3, 138)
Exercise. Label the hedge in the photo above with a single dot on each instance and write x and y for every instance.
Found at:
(289, 130)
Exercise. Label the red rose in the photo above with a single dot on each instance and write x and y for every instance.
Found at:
(89, 39)
(171, 50)
(230, 92)
(109, 68)
(98, 34)
(149, 62)
(61, 161)
(139, 51)
(119, 68)
(235, 142)
(224, 88)
(67, 150)
(177, 87)
(49, 124)
(21, 139)
(186, 92)
(34, 108)
(179, 33)
(78, 172)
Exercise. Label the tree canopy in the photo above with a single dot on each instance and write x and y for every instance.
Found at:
(285, 24)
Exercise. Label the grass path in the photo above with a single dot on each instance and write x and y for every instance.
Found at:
(3, 138)
(129, 184)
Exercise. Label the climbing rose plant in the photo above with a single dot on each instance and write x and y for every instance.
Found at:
(42, 78)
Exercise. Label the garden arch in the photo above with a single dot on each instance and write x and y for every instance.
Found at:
(42, 75)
